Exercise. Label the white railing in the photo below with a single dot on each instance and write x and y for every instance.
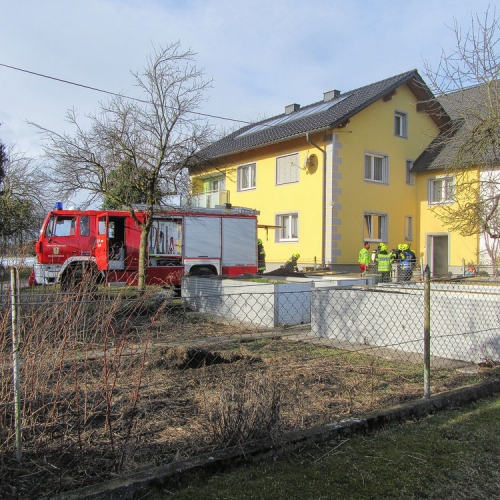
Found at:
(208, 199)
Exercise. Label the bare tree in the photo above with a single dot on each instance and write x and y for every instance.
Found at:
(157, 137)
(25, 196)
(466, 83)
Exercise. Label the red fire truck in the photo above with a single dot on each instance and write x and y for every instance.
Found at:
(198, 241)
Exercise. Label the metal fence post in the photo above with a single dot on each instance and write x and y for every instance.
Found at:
(14, 287)
(427, 332)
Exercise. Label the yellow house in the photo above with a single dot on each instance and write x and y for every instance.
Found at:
(328, 176)
(457, 169)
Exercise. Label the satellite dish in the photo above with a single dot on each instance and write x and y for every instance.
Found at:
(306, 160)
(311, 163)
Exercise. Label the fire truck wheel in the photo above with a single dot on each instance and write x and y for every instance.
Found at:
(82, 278)
(202, 271)
(71, 279)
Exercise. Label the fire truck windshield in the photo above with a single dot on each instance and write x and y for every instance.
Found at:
(61, 226)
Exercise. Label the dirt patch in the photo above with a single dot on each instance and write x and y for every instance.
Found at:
(184, 358)
(284, 272)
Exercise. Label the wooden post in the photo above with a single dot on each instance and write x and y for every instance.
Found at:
(14, 293)
(427, 332)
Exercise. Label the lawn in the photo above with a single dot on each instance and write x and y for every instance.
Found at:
(451, 454)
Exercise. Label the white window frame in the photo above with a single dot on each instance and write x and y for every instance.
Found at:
(246, 174)
(287, 169)
(441, 190)
(408, 229)
(376, 167)
(401, 124)
(289, 230)
(380, 227)
(410, 176)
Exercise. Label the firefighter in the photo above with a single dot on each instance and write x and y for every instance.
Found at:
(384, 262)
(397, 254)
(407, 258)
(261, 256)
(364, 258)
(291, 263)
(413, 258)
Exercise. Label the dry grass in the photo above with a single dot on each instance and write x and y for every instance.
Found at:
(113, 384)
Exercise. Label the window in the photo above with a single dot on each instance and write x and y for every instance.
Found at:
(246, 177)
(214, 185)
(441, 190)
(400, 124)
(287, 169)
(61, 226)
(376, 168)
(289, 227)
(408, 228)
(84, 225)
(375, 227)
(409, 173)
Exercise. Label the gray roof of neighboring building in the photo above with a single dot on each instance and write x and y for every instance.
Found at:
(322, 115)
(467, 108)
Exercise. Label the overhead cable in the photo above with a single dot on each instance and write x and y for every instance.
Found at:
(111, 93)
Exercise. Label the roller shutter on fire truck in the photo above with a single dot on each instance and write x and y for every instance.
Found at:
(202, 237)
(226, 243)
(240, 235)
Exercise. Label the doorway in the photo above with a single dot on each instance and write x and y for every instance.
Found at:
(437, 254)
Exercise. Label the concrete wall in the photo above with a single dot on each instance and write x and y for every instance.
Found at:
(261, 304)
(465, 320)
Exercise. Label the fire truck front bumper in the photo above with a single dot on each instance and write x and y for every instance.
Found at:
(46, 274)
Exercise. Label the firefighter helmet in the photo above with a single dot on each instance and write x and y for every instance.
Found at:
(383, 247)
(259, 241)
(296, 255)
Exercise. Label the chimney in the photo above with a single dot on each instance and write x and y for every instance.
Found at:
(330, 95)
(291, 108)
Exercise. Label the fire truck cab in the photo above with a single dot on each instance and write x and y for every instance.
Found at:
(214, 241)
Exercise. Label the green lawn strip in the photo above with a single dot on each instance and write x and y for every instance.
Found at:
(452, 454)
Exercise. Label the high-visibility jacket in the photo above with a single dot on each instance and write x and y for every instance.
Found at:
(364, 256)
(384, 261)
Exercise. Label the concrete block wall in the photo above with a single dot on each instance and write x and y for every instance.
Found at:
(261, 304)
(465, 322)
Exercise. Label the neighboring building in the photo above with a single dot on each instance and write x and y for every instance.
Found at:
(440, 184)
(330, 175)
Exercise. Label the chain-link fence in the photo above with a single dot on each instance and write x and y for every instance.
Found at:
(109, 380)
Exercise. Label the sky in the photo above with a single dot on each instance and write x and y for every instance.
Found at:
(260, 54)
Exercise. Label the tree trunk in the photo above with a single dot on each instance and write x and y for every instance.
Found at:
(143, 257)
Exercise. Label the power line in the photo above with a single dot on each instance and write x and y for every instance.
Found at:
(111, 93)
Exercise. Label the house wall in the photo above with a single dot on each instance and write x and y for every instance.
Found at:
(372, 130)
(348, 195)
(304, 197)
(459, 247)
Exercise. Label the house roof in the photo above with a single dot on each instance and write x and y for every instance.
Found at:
(467, 108)
(322, 115)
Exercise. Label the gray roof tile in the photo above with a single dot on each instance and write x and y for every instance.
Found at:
(467, 108)
(299, 122)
